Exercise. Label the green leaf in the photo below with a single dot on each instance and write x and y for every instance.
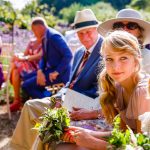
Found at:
(54, 122)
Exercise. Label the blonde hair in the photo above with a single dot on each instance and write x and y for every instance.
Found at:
(119, 41)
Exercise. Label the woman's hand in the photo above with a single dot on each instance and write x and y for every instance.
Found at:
(19, 57)
(79, 135)
(15, 58)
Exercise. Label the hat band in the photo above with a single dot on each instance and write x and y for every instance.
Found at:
(83, 24)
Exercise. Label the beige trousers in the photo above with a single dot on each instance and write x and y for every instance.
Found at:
(24, 135)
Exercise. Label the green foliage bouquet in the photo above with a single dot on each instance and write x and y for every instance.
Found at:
(127, 140)
(54, 121)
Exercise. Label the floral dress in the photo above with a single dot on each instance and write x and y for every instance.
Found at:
(25, 66)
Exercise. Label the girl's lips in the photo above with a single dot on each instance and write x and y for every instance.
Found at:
(117, 73)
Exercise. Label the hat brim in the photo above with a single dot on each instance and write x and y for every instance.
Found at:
(106, 26)
(85, 27)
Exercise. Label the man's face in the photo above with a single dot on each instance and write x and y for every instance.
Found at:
(38, 30)
(88, 36)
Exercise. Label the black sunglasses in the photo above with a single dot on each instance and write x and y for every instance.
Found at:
(129, 25)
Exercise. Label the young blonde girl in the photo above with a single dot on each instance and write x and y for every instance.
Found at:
(124, 90)
(124, 86)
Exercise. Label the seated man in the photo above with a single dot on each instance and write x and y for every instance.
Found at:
(55, 64)
(83, 80)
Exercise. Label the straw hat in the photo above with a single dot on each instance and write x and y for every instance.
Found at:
(127, 15)
(85, 19)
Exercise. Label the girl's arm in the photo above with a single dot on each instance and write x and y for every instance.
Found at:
(86, 138)
(73, 132)
(100, 134)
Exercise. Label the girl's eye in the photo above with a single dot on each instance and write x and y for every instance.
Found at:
(123, 58)
(108, 59)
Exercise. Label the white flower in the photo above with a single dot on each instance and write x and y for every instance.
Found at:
(145, 123)
(129, 147)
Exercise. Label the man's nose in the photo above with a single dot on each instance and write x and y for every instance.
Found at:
(125, 28)
(85, 35)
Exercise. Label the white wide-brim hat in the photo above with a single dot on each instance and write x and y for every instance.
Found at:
(85, 19)
(129, 15)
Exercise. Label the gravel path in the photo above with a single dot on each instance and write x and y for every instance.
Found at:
(7, 126)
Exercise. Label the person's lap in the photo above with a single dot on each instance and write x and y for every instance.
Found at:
(36, 91)
(27, 76)
(31, 80)
(69, 146)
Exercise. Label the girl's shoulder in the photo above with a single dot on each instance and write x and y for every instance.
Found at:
(140, 101)
(143, 83)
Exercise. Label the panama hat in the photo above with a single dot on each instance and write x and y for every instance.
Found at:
(127, 15)
(85, 19)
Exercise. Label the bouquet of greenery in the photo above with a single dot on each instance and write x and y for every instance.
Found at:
(127, 140)
(54, 121)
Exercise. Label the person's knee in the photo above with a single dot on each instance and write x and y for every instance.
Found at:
(24, 86)
(29, 103)
(30, 109)
(16, 73)
(26, 106)
(34, 104)
(29, 84)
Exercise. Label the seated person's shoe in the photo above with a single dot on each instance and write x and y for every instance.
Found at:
(15, 105)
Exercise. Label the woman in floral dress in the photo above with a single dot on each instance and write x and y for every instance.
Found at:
(23, 67)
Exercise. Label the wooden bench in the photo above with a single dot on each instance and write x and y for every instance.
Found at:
(55, 88)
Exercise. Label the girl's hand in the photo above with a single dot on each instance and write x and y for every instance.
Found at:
(82, 137)
(68, 136)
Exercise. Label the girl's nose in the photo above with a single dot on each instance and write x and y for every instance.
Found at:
(116, 65)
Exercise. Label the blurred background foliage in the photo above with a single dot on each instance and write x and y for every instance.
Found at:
(58, 12)
(15, 23)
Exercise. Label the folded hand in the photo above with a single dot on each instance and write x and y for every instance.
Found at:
(41, 80)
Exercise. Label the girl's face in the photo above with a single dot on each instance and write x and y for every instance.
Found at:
(119, 65)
